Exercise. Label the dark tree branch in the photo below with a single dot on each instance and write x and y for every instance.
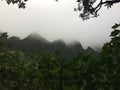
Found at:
(87, 9)
(113, 1)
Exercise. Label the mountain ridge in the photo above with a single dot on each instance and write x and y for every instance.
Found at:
(36, 44)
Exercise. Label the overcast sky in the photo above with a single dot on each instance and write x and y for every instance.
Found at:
(57, 20)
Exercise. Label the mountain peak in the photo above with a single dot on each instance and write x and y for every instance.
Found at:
(75, 44)
(36, 36)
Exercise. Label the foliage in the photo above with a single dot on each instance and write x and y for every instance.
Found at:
(20, 3)
(90, 8)
(110, 59)
(15, 68)
(19, 71)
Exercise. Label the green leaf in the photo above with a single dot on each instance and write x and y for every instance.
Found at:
(57, 52)
(115, 26)
(115, 32)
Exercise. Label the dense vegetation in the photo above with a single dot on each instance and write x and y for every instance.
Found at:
(20, 71)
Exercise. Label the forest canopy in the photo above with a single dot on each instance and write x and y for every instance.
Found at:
(20, 71)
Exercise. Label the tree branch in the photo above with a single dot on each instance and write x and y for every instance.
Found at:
(112, 2)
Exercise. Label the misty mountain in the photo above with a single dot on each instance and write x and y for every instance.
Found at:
(37, 44)
(35, 37)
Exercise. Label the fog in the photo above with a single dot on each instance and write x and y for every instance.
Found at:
(57, 20)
